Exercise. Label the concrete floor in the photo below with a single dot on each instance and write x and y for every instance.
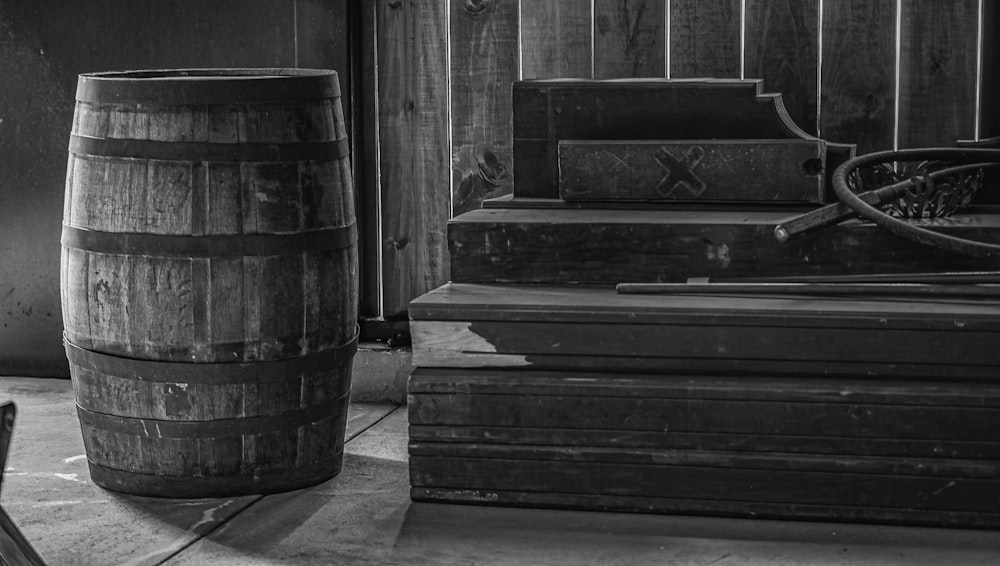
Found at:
(364, 516)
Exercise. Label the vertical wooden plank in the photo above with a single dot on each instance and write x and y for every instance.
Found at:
(989, 119)
(556, 39)
(937, 72)
(629, 38)
(413, 140)
(484, 63)
(365, 148)
(859, 67)
(704, 38)
(780, 41)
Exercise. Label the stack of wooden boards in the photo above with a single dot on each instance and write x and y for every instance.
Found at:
(879, 409)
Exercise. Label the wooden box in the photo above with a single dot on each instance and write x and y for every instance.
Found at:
(548, 111)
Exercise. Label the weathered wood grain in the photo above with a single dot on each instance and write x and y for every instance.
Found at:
(546, 112)
(720, 459)
(471, 326)
(989, 97)
(741, 484)
(781, 40)
(702, 170)
(956, 394)
(694, 415)
(629, 38)
(366, 144)
(856, 449)
(414, 169)
(185, 247)
(937, 87)
(564, 245)
(484, 63)
(713, 507)
(554, 344)
(858, 82)
(465, 302)
(674, 440)
(556, 39)
(704, 39)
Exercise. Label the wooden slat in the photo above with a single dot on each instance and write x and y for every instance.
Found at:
(484, 63)
(615, 246)
(932, 393)
(744, 485)
(413, 132)
(711, 170)
(704, 366)
(629, 38)
(937, 74)
(704, 38)
(556, 39)
(471, 326)
(989, 122)
(859, 59)
(366, 164)
(784, 350)
(464, 302)
(763, 460)
(694, 415)
(781, 48)
(756, 510)
(831, 445)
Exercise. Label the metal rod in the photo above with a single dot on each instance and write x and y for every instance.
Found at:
(838, 212)
(875, 289)
(950, 277)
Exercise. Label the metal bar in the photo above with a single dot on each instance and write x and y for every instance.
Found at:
(880, 289)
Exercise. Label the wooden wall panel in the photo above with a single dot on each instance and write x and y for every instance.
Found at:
(859, 68)
(413, 135)
(484, 63)
(780, 46)
(366, 164)
(937, 86)
(989, 121)
(704, 38)
(629, 38)
(556, 39)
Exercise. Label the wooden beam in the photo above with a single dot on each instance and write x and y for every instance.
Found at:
(413, 132)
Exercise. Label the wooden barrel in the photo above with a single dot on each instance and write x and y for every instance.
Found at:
(209, 279)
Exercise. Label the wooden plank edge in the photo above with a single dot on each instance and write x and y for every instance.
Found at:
(659, 505)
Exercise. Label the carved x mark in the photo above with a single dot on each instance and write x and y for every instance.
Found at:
(679, 172)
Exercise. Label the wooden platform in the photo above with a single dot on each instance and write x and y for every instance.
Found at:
(537, 384)
(876, 410)
(553, 242)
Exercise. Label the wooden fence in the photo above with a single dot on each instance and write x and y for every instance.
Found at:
(433, 111)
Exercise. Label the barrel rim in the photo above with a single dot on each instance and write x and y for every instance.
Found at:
(221, 73)
(210, 86)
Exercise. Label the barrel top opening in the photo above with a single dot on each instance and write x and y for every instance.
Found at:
(208, 86)
(209, 74)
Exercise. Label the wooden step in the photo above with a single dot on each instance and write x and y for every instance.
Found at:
(897, 451)
(479, 326)
(672, 412)
(546, 241)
